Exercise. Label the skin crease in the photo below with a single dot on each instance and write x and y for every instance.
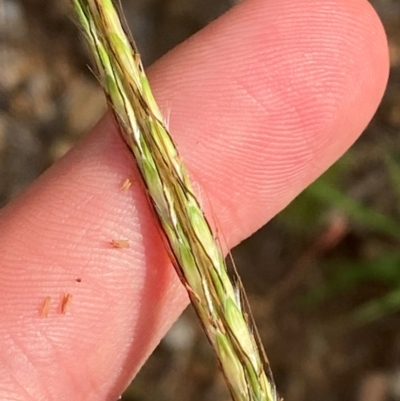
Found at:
(261, 102)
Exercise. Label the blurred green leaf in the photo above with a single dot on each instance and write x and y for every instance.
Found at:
(362, 214)
(393, 169)
(378, 308)
(350, 274)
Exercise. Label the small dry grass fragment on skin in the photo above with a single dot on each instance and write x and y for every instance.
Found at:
(119, 243)
(127, 184)
(66, 303)
(46, 306)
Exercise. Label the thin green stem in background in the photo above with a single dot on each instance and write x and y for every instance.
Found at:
(220, 302)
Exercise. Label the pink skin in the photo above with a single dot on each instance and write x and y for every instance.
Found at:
(261, 102)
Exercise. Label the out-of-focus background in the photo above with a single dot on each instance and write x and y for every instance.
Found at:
(323, 277)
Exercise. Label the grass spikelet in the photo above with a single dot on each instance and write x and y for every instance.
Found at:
(219, 301)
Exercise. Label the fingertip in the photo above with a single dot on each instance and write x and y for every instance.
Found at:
(283, 87)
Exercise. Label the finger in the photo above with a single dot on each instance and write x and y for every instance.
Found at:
(260, 103)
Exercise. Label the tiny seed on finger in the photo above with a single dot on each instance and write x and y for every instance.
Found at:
(66, 303)
(46, 306)
(127, 184)
(120, 243)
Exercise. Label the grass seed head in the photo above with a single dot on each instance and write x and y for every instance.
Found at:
(196, 253)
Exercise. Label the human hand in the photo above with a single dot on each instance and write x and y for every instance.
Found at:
(262, 102)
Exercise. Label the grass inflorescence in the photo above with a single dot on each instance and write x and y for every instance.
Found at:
(219, 301)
